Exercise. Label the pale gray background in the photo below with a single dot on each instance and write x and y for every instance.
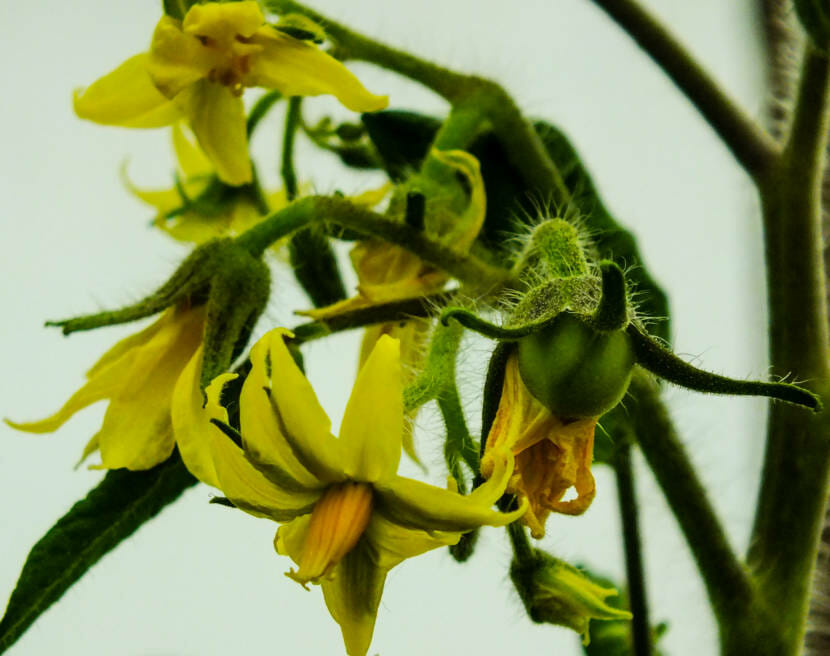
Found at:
(203, 580)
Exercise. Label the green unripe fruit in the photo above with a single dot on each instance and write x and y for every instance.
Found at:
(575, 370)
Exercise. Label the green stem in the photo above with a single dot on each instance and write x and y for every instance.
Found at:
(523, 146)
(342, 212)
(754, 150)
(521, 545)
(292, 123)
(637, 598)
(423, 306)
(794, 481)
(310, 252)
(728, 585)
(260, 109)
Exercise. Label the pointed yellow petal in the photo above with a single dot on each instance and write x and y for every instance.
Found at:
(192, 161)
(393, 543)
(176, 60)
(353, 595)
(262, 435)
(418, 505)
(297, 68)
(249, 489)
(163, 200)
(290, 538)
(137, 432)
(128, 343)
(217, 118)
(126, 97)
(373, 424)
(191, 422)
(303, 423)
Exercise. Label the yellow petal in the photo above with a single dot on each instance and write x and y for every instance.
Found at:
(465, 228)
(418, 505)
(126, 97)
(373, 423)
(393, 543)
(192, 161)
(290, 538)
(297, 68)
(176, 60)
(262, 436)
(303, 423)
(217, 118)
(353, 595)
(137, 432)
(191, 422)
(105, 379)
(249, 489)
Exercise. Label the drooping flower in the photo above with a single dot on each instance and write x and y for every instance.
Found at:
(198, 67)
(553, 454)
(201, 207)
(138, 377)
(347, 517)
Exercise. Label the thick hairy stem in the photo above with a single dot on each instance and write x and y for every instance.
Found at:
(342, 212)
(635, 575)
(753, 148)
(793, 490)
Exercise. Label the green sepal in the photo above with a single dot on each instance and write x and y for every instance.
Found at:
(662, 362)
(612, 312)
(493, 384)
(188, 283)
(177, 8)
(402, 139)
(472, 321)
(110, 513)
(301, 27)
(438, 369)
(238, 294)
(315, 267)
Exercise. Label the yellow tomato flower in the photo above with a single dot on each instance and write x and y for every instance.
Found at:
(138, 377)
(347, 517)
(227, 218)
(198, 67)
(553, 454)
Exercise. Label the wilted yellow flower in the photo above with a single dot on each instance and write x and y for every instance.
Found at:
(182, 211)
(348, 518)
(553, 454)
(198, 67)
(138, 377)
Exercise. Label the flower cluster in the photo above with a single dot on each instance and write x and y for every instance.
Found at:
(187, 392)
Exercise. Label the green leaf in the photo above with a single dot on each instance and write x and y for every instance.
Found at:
(110, 513)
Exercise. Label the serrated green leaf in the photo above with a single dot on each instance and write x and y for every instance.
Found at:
(109, 514)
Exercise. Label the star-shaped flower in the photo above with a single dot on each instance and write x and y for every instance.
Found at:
(347, 516)
(198, 67)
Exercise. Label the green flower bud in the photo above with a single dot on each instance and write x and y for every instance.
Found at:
(555, 592)
(574, 369)
(554, 251)
(814, 16)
